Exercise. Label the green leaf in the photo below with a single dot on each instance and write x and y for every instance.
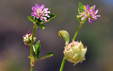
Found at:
(51, 17)
(37, 49)
(46, 56)
(30, 18)
(40, 25)
(80, 7)
(49, 9)
(65, 35)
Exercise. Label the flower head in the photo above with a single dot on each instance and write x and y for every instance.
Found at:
(40, 12)
(75, 52)
(27, 38)
(89, 13)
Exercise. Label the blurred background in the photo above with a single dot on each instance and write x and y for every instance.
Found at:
(97, 37)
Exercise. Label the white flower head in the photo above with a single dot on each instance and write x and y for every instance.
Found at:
(75, 52)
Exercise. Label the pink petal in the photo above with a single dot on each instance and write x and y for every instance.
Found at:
(42, 6)
(37, 5)
(48, 12)
(45, 19)
(83, 18)
(93, 8)
(87, 7)
(33, 8)
(85, 10)
(47, 15)
(80, 15)
(37, 16)
(45, 9)
(32, 14)
(96, 11)
(98, 15)
(41, 18)
(90, 21)
(28, 32)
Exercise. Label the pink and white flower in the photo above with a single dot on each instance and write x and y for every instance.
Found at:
(89, 13)
(40, 12)
(27, 38)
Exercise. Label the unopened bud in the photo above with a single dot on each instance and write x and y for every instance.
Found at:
(75, 52)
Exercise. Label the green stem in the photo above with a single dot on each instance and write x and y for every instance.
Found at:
(32, 68)
(77, 31)
(62, 65)
(31, 48)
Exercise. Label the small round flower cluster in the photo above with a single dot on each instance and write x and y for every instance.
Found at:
(27, 38)
(75, 52)
(89, 13)
(40, 12)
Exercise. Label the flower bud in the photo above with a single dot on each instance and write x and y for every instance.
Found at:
(75, 52)
(27, 38)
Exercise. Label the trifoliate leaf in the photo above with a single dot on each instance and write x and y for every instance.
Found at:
(46, 56)
(65, 35)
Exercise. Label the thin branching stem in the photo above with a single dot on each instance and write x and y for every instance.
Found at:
(31, 48)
